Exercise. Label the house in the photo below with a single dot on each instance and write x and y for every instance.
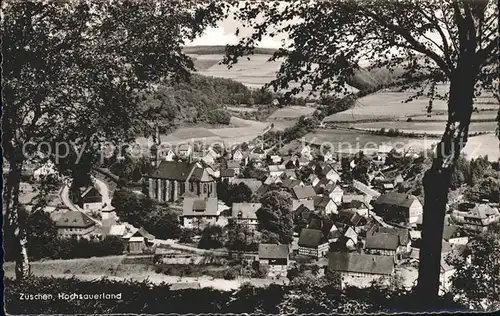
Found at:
(303, 161)
(325, 205)
(313, 179)
(200, 212)
(140, 241)
(240, 156)
(91, 199)
(245, 214)
(313, 243)
(291, 163)
(303, 192)
(336, 194)
(309, 204)
(235, 165)
(45, 170)
(209, 156)
(404, 240)
(276, 258)
(167, 155)
(75, 224)
(253, 184)
(328, 156)
(384, 244)
(257, 154)
(348, 198)
(227, 175)
(306, 152)
(273, 179)
(276, 170)
(330, 174)
(366, 190)
(480, 218)
(361, 207)
(172, 179)
(358, 269)
(184, 150)
(454, 235)
(398, 207)
(290, 174)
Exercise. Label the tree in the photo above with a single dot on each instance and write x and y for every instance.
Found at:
(487, 189)
(162, 223)
(275, 215)
(211, 237)
(240, 238)
(476, 281)
(127, 206)
(72, 72)
(240, 193)
(453, 41)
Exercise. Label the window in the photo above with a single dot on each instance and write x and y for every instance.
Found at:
(191, 186)
(204, 188)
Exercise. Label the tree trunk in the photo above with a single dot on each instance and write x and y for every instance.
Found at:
(16, 219)
(437, 181)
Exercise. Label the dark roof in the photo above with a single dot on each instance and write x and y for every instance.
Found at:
(227, 173)
(173, 170)
(303, 192)
(382, 241)
(302, 208)
(142, 232)
(320, 202)
(311, 238)
(273, 251)
(258, 151)
(402, 233)
(91, 193)
(290, 183)
(233, 164)
(262, 189)
(449, 231)
(200, 207)
(74, 220)
(360, 263)
(396, 199)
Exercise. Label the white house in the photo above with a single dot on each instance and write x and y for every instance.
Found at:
(313, 243)
(325, 205)
(245, 214)
(47, 169)
(184, 150)
(276, 258)
(91, 199)
(306, 152)
(276, 170)
(200, 212)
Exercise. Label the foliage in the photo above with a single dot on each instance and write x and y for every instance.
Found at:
(233, 193)
(487, 188)
(275, 215)
(476, 281)
(211, 238)
(142, 211)
(240, 237)
(252, 171)
(186, 235)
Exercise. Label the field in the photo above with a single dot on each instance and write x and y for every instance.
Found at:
(240, 131)
(484, 116)
(432, 127)
(350, 141)
(388, 105)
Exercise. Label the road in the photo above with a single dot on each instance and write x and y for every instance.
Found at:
(102, 187)
(64, 195)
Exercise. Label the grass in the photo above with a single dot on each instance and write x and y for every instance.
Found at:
(293, 112)
(102, 265)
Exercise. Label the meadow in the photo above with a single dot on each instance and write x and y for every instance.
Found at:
(431, 127)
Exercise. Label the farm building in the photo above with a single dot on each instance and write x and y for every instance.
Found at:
(227, 175)
(199, 213)
(91, 199)
(398, 207)
(245, 214)
(359, 270)
(76, 224)
(136, 245)
(313, 243)
(276, 257)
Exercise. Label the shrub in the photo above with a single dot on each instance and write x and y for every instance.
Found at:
(230, 274)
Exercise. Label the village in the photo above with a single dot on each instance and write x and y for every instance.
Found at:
(253, 214)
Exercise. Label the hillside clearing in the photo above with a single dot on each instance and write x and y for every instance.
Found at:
(435, 127)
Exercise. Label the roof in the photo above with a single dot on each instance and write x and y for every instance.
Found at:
(320, 202)
(74, 220)
(303, 192)
(449, 231)
(262, 189)
(299, 211)
(290, 183)
(117, 230)
(227, 173)
(482, 211)
(382, 241)
(233, 164)
(258, 151)
(275, 168)
(360, 263)
(245, 210)
(173, 170)
(200, 207)
(253, 184)
(348, 198)
(311, 238)
(200, 174)
(136, 239)
(307, 203)
(91, 192)
(396, 199)
(402, 233)
(273, 251)
(142, 232)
